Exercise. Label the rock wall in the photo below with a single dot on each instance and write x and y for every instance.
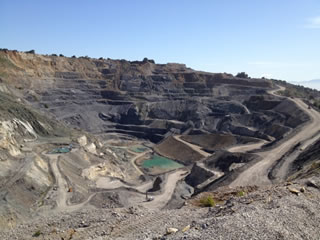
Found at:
(104, 95)
(198, 175)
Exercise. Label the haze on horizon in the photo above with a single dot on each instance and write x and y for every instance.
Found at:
(274, 39)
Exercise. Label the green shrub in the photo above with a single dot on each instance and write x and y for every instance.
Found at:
(37, 234)
(241, 193)
(207, 201)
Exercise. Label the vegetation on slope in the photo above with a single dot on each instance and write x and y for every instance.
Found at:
(310, 95)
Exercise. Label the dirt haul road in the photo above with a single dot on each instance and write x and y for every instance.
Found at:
(247, 147)
(138, 156)
(258, 173)
(61, 182)
(62, 191)
(193, 146)
(161, 200)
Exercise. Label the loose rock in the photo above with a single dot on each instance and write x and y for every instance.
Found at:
(172, 230)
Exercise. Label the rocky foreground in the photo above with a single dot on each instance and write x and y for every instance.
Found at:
(284, 211)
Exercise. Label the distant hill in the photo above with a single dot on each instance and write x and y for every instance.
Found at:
(310, 84)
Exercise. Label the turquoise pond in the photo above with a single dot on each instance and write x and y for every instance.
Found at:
(161, 162)
(60, 150)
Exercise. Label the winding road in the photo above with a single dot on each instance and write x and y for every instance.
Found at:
(161, 200)
(62, 191)
(258, 173)
(61, 182)
(138, 156)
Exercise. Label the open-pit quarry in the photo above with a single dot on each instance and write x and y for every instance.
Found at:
(113, 149)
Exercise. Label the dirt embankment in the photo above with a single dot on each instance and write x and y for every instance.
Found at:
(216, 141)
(176, 150)
(311, 157)
(211, 141)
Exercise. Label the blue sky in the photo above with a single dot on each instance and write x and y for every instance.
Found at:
(272, 38)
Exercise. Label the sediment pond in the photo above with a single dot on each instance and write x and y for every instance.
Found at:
(164, 163)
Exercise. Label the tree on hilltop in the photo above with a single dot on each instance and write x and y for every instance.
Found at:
(242, 75)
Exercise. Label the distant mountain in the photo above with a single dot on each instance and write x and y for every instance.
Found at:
(310, 84)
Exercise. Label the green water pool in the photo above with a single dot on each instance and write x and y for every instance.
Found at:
(60, 150)
(161, 162)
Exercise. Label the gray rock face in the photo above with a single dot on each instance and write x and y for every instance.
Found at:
(198, 175)
(156, 185)
(131, 98)
(310, 155)
(104, 95)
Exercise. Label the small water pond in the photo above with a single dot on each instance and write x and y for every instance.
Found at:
(60, 150)
(157, 161)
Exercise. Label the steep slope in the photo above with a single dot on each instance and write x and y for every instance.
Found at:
(147, 100)
(32, 179)
(24, 175)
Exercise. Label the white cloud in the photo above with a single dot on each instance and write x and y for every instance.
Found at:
(313, 22)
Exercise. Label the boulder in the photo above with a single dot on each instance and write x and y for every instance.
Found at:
(172, 230)
(82, 140)
(91, 148)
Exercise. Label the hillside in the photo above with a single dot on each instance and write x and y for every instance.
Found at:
(314, 84)
(224, 152)
(144, 99)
